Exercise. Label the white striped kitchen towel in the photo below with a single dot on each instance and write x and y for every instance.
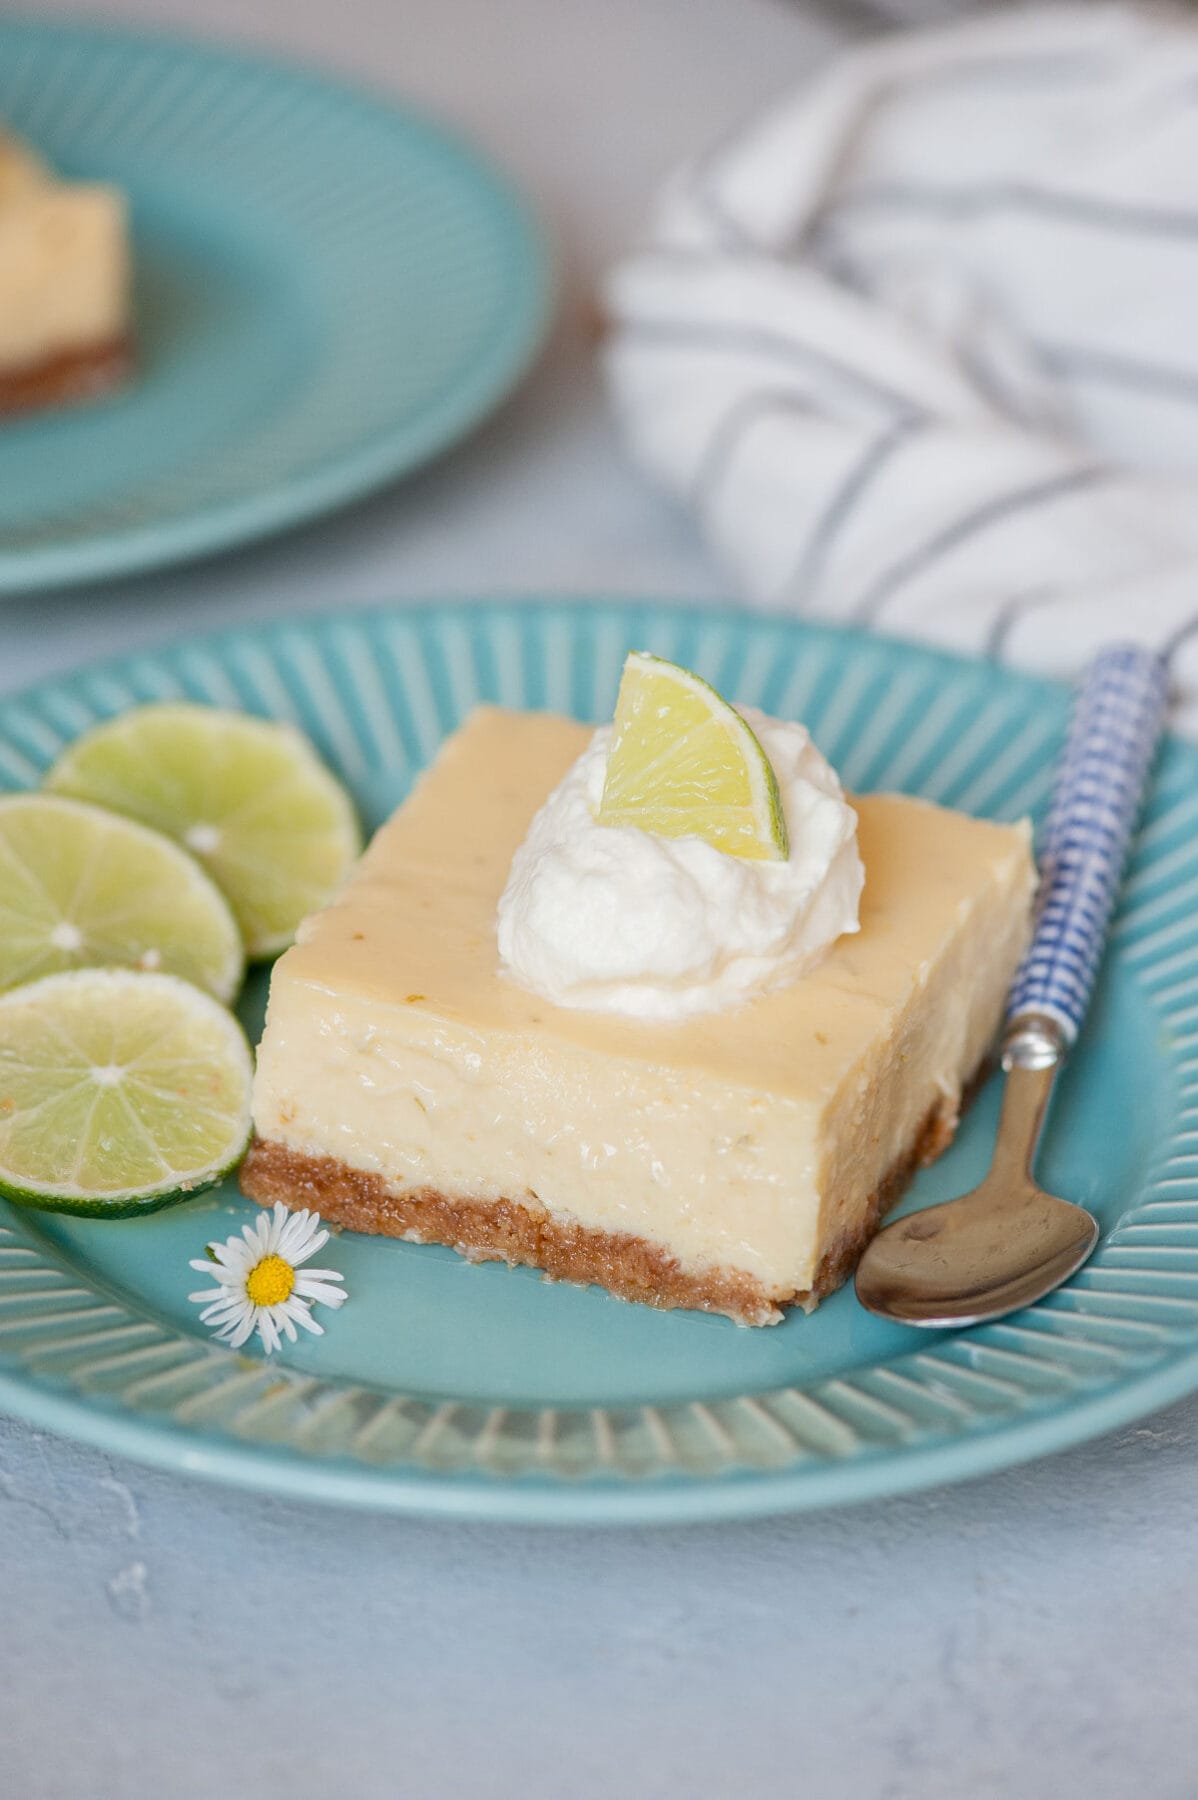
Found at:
(920, 344)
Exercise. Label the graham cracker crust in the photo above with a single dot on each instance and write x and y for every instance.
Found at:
(517, 1232)
(75, 376)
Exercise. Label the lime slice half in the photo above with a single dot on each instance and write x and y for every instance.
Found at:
(683, 763)
(119, 1092)
(80, 887)
(249, 798)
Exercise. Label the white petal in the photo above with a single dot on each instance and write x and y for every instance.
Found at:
(300, 1246)
(313, 1241)
(224, 1325)
(245, 1329)
(281, 1315)
(293, 1237)
(322, 1292)
(221, 1311)
(226, 1303)
(234, 1303)
(234, 1289)
(279, 1217)
(218, 1312)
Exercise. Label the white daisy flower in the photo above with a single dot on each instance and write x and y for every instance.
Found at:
(261, 1284)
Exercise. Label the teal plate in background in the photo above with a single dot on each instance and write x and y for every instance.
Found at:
(329, 290)
(449, 1387)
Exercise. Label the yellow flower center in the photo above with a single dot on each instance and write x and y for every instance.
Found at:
(270, 1281)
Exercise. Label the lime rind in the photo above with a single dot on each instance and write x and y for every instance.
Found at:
(82, 887)
(130, 1207)
(120, 1092)
(684, 763)
(248, 797)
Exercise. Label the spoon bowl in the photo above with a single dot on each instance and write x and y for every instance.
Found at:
(976, 1258)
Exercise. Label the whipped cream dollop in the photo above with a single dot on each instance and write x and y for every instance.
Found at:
(613, 919)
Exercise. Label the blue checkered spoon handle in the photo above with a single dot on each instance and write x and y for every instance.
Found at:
(1116, 725)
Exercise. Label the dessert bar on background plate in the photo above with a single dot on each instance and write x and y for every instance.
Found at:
(446, 1386)
(328, 290)
(65, 332)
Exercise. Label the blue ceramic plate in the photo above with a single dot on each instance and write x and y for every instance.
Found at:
(482, 1390)
(329, 290)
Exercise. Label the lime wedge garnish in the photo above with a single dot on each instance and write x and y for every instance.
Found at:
(250, 799)
(683, 763)
(119, 1092)
(81, 888)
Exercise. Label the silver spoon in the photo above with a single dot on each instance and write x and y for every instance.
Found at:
(1008, 1242)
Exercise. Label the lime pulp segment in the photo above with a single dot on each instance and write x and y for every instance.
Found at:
(249, 798)
(80, 887)
(683, 763)
(119, 1092)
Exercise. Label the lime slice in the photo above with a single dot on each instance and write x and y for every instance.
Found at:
(249, 798)
(683, 763)
(80, 888)
(119, 1092)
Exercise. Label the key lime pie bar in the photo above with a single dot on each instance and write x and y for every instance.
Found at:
(64, 285)
(617, 1005)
